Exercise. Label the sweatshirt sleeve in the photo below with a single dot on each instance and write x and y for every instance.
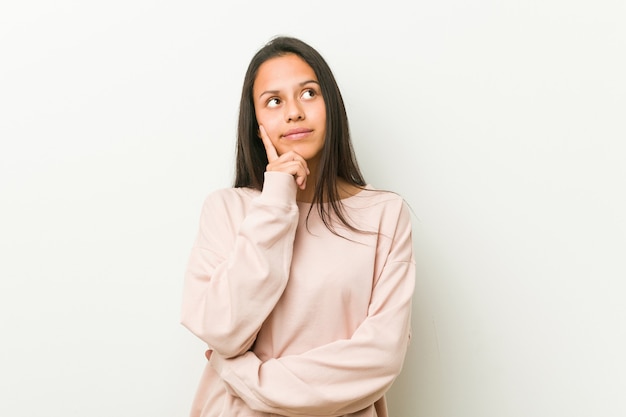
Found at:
(346, 375)
(237, 271)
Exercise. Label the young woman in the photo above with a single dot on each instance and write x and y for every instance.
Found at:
(301, 277)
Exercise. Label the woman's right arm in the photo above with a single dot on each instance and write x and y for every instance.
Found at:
(237, 272)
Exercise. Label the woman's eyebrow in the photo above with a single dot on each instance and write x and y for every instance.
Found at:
(302, 84)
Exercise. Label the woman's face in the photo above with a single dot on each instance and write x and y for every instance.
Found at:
(289, 105)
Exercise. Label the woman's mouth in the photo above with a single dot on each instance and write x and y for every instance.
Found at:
(297, 133)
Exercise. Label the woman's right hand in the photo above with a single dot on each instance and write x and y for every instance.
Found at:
(290, 162)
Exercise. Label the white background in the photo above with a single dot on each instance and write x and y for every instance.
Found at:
(502, 123)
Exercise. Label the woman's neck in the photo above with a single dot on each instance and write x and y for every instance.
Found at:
(344, 190)
(306, 195)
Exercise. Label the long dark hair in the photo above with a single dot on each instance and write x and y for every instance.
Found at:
(337, 159)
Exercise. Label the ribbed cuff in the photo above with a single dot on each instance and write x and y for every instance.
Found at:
(279, 188)
(217, 362)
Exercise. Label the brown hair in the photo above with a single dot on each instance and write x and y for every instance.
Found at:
(337, 159)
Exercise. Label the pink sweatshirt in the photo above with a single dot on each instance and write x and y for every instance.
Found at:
(301, 322)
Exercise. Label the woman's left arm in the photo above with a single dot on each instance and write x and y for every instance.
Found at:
(346, 375)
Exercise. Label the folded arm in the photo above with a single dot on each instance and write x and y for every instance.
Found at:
(238, 270)
(346, 375)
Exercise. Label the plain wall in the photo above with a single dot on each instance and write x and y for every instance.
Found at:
(501, 123)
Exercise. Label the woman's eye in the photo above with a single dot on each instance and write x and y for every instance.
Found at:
(273, 102)
(309, 93)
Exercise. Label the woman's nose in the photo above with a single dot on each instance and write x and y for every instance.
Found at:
(294, 111)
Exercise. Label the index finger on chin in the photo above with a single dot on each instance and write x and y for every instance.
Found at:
(270, 150)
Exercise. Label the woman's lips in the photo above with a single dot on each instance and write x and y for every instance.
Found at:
(298, 133)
